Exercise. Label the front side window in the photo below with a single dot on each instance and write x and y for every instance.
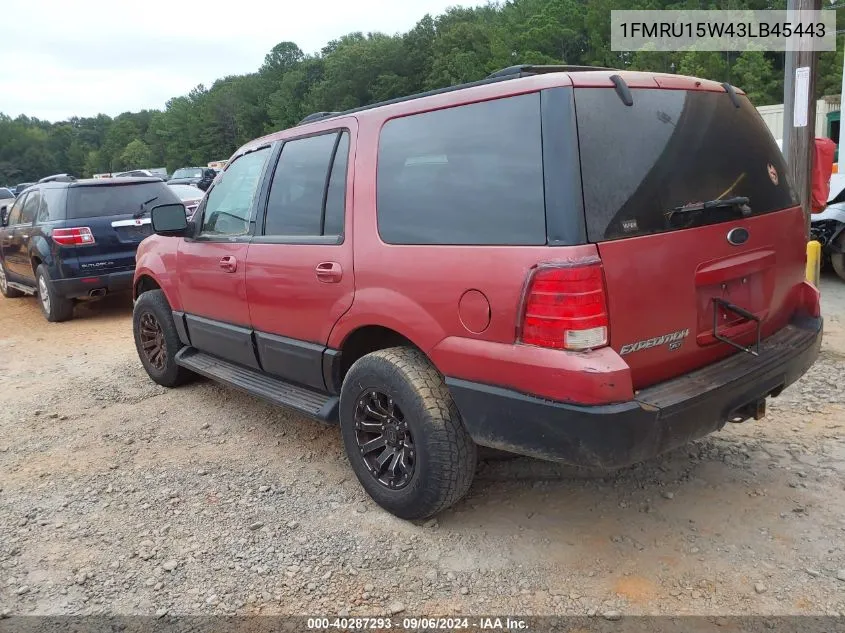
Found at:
(470, 174)
(299, 203)
(228, 208)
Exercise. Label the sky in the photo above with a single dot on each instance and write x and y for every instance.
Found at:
(59, 59)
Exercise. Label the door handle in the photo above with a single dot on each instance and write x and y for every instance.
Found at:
(24, 235)
(329, 272)
(229, 264)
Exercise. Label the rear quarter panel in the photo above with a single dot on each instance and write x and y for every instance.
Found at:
(416, 291)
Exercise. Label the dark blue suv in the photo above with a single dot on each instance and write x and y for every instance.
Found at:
(72, 240)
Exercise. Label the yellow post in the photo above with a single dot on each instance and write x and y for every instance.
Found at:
(814, 262)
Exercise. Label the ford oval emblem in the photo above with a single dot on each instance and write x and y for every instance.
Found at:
(738, 236)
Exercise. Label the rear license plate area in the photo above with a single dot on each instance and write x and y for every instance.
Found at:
(133, 233)
(729, 319)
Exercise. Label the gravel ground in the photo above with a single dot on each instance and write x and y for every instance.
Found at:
(120, 497)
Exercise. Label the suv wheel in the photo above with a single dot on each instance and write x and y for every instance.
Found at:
(7, 291)
(156, 339)
(403, 434)
(837, 260)
(55, 307)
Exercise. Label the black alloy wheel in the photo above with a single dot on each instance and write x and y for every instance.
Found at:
(384, 439)
(152, 341)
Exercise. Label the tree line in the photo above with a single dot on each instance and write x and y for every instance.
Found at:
(460, 45)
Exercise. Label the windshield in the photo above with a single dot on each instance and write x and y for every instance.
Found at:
(5, 193)
(98, 201)
(187, 172)
(670, 150)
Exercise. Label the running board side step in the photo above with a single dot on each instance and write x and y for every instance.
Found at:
(22, 287)
(317, 405)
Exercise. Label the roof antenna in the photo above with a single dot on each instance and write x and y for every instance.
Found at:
(622, 90)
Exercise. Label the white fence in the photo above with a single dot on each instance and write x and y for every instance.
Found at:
(773, 117)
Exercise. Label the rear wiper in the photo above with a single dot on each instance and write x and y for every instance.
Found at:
(143, 209)
(739, 203)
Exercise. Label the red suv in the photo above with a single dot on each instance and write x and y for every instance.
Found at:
(589, 266)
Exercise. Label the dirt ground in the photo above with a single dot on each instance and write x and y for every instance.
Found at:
(121, 497)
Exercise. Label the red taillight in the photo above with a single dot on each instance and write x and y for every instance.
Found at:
(565, 307)
(79, 236)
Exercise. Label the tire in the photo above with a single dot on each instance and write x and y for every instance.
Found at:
(152, 321)
(5, 289)
(424, 427)
(55, 307)
(837, 260)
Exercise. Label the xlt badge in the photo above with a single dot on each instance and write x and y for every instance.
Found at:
(674, 341)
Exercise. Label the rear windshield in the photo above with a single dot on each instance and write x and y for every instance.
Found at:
(187, 172)
(104, 200)
(673, 148)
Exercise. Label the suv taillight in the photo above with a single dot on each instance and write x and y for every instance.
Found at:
(78, 236)
(565, 307)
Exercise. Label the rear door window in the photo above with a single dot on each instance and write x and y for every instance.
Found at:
(470, 174)
(336, 195)
(305, 198)
(94, 201)
(673, 148)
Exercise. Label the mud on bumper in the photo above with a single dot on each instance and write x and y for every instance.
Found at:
(661, 417)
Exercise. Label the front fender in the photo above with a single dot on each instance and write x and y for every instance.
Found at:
(156, 259)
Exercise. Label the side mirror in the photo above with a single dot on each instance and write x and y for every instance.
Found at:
(169, 220)
(4, 216)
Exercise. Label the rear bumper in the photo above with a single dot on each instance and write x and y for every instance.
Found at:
(661, 417)
(76, 287)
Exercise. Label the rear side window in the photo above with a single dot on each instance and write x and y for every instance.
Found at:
(30, 207)
(15, 211)
(470, 174)
(670, 149)
(306, 199)
(105, 200)
(52, 205)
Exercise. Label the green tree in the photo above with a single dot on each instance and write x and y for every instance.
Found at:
(357, 69)
(136, 155)
(753, 72)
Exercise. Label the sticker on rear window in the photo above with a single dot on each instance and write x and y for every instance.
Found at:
(773, 174)
(629, 226)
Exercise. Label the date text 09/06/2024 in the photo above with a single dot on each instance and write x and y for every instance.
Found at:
(414, 624)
